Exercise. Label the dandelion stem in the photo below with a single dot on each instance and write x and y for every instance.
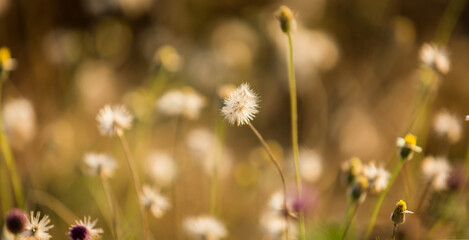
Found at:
(381, 198)
(351, 211)
(294, 128)
(394, 228)
(277, 166)
(112, 208)
(135, 179)
(9, 159)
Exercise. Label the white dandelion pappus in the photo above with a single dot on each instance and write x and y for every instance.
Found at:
(100, 164)
(447, 125)
(185, 102)
(241, 106)
(205, 227)
(161, 168)
(37, 228)
(112, 119)
(152, 200)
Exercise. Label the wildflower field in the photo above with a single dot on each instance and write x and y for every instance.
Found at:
(233, 120)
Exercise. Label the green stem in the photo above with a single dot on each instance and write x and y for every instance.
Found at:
(381, 198)
(110, 202)
(351, 211)
(294, 128)
(135, 180)
(394, 228)
(9, 159)
(220, 132)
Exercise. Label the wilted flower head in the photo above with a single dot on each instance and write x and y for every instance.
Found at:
(436, 171)
(154, 201)
(113, 119)
(16, 221)
(84, 230)
(351, 169)
(241, 106)
(358, 190)
(435, 57)
(205, 228)
(408, 145)
(311, 165)
(37, 228)
(100, 164)
(398, 216)
(19, 120)
(169, 58)
(161, 168)
(286, 19)
(7, 63)
(181, 102)
(377, 176)
(448, 126)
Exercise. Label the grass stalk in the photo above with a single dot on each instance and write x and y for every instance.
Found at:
(112, 207)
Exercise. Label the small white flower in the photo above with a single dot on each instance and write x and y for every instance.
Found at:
(185, 102)
(435, 57)
(407, 146)
(19, 120)
(377, 176)
(152, 200)
(311, 165)
(37, 228)
(448, 125)
(276, 203)
(112, 119)
(241, 106)
(205, 228)
(93, 233)
(274, 226)
(436, 171)
(161, 168)
(100, 164)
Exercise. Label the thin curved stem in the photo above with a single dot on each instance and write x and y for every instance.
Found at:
(9, 158)
(135, 180)
(381, 198)
(350, 215)
(277, 166)
(112, 208)
(294, 128)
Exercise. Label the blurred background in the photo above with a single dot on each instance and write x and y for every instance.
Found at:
(358, 72)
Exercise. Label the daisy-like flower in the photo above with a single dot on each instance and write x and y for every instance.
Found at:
(205, 228)
(181, 102)
(448, 126)
(436, 171)
(37, 228)
(112, 119)
(100, 164)
(84, 230)
(7, 63)
(435, 57)
(153, 201)
(241, 106)
(351, 169)
(408, 145)
(377, 176)
(161, 168)
(398, 216)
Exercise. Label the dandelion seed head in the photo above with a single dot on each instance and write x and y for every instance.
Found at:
(16, 221)
(85, 230)
(100, 164)
(448, 126)
(181, 102)
(205, 227)
(435, 57)
(241, 106)
(436, 171)
(37, 228)
(154, 201)
(112, 119)
(161, 168)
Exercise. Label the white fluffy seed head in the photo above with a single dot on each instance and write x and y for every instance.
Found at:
(241, 106)
(161, 168)
(377, 176)
(154, 201)
(100, 164)
(184, 102)
(436, 171)
(205, 227)
(19, 120)
(447, 125)
(435, 57)
(37, 228)
(112, 119)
